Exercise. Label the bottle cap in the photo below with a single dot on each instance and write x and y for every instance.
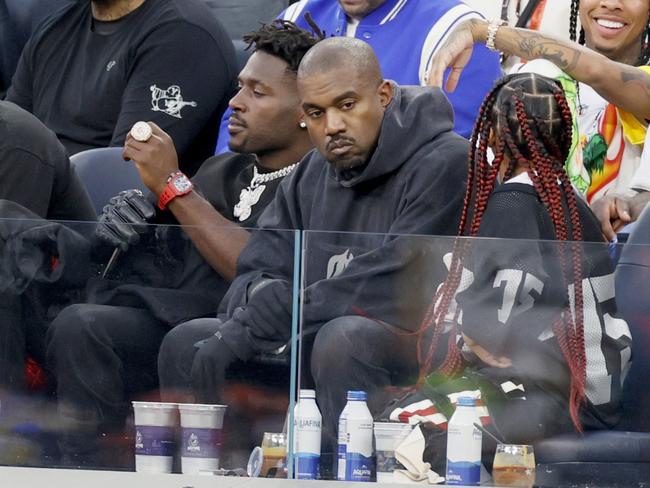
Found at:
(357, 395)
(307, 393)
(466, 402)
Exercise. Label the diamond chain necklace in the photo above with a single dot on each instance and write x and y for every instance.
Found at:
(250, 195)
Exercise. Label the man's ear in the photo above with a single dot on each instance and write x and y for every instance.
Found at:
(385, 92)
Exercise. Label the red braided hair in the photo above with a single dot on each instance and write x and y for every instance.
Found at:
(540, 144)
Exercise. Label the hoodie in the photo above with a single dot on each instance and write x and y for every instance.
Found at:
(360, 253)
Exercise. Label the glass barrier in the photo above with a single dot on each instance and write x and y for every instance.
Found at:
(87, 328)
(435, 349)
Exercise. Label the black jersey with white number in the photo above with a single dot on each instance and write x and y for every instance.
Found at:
(517, 294)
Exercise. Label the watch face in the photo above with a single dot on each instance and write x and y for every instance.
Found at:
(182, 184)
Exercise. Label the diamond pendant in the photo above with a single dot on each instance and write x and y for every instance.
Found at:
(247, 198)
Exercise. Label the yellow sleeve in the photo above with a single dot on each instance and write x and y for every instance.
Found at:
(633, 129)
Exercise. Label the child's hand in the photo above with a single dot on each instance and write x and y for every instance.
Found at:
(486, 357)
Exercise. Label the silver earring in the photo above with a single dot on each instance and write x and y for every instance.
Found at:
(303, 125)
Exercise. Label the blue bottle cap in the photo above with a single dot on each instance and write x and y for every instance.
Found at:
(357, 395)
(466, 402)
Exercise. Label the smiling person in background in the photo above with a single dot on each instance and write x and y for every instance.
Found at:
(612, 98)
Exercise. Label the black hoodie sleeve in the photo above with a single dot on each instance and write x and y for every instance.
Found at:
(268, 259)
(391, 280)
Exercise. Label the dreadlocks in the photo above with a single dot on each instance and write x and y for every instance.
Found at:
(644, 56)
(530, 122)
(283, 39)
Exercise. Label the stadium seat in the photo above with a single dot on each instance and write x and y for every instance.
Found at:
(619, 457)
(242, 16)
(105, 174)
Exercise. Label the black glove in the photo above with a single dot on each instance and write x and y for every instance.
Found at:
(123, 220)
(267, 315)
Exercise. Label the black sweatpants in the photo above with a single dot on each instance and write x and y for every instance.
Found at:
(176, 357)
(101, 355)
(349, 353)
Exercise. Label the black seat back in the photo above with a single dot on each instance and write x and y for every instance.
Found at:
(633, 300)
(242, 16)
(104, 174)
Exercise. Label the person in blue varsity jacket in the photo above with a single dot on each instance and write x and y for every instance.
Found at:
(405, 34)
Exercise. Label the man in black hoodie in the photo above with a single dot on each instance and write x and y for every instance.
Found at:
(387, 162)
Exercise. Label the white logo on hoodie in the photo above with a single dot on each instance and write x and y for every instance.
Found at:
(337, 263)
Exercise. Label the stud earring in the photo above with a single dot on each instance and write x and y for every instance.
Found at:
(303, 125)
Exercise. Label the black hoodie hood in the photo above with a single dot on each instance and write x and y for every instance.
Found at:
(415, 116)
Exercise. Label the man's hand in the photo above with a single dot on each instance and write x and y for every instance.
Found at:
(613, 213)
(123, 220)
(485, 356)
(155, 159)
(455, 53)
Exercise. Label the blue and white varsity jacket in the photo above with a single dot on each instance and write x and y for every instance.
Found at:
(405, 35)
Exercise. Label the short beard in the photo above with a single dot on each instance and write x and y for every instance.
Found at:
(105, 3)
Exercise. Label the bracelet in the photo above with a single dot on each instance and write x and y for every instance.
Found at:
(493, 28)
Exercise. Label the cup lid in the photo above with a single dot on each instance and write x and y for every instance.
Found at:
(203, 407)
(155, 405)
(392, 426)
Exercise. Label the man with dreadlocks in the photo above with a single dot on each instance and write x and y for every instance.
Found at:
(612, 99)
(537, 318)
(164, 278)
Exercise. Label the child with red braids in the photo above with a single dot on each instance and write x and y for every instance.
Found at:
(532, 320)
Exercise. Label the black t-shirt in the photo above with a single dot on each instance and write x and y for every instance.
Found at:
(35, 170)
(221, 180)
(168, 61)
(9, 50)
(165, 273)
(513, 293)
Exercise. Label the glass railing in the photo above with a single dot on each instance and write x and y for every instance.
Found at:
(385, 316)
(333, 312)
(85, 330)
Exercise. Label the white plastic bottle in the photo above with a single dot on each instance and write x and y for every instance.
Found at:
(464, 445)
(307, 435)
(359, 459)
(342, 442)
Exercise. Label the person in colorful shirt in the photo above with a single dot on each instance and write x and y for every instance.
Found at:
(612, 96)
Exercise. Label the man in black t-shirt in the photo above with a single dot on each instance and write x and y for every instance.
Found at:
(117, 336)
(95, 68)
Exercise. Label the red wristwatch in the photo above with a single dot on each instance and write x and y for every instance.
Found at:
(177, 185)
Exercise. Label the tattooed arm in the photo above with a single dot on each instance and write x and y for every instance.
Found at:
(623, 85)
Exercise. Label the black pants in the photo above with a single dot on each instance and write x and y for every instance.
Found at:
(348, 353)
(101, 355)
(177, 355)
(356, 353)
